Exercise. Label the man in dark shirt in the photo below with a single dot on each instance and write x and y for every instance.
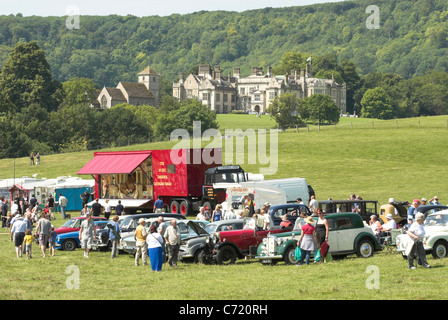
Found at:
(97, 208)
(85, 198)
(119, 208)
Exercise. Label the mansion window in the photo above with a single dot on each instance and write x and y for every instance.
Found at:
(257, 97)
(242, 91)
(218, 97)
(104, 102)
(224, 97)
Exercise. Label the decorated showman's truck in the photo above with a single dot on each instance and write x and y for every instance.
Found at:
(184, 179)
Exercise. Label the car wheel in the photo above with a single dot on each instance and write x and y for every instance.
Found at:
(196, 255)
(365, 248)
(440, 249)
(202, 257)
(69, 245)
(289, 256)
(226, 255)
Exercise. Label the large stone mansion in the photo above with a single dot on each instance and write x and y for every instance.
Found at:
(224, 94)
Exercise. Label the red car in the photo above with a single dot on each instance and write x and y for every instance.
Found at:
(226, 247)
(74, 224)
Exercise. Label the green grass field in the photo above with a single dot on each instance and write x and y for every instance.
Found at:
(403, 159)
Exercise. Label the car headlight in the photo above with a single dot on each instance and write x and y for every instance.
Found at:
(207, 240)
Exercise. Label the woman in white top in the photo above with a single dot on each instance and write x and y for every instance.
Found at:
(154, 240)
(417, 233)
(107, 210)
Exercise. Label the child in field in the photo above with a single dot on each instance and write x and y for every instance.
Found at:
(28, 241)
(52, 241)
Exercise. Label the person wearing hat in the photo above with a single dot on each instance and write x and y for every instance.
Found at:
(417, 233)
(411, 211)
(140, 238)
(86, 234)
(307, 241)
(249, 202)
(424, 202)
(390, 224)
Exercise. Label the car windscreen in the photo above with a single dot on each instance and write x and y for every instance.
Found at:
(210, 228)
(70, 223)
(436, 220)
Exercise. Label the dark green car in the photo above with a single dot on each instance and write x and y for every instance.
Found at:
(348, 235)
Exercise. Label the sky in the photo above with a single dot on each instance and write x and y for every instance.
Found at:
(138, 7)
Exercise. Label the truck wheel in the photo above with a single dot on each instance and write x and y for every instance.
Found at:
(289, 256)
(226, 255)
(174, 207)
(69, 245)
(365, 248)
(185, 208)
(440, 249)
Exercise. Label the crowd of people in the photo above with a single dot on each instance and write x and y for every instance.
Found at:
(314, 234)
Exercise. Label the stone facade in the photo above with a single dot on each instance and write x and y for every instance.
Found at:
(143, 92)
(254, 92)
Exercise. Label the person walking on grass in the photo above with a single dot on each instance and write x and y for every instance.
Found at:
(28, 243)
(18, 233)
(114, 235)
(62, 203)
(43, 229)
(417, 233)
(172, 238)
(86, 234)
(307, 241)
(140, 238)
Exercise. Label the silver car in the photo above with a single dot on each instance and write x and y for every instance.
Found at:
(189, 246)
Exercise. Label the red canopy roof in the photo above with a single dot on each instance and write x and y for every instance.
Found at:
(114, 162)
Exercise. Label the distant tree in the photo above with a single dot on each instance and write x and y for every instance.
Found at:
(26, 79)
(291, 60)
(284, 109)
(78, 91)
(320, 109)
(377, 104)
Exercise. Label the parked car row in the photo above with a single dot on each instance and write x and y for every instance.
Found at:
(225, 241)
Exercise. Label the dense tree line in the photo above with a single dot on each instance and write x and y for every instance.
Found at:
(40, 114)
(411, 40)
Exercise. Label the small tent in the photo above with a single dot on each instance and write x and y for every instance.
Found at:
(72, 190)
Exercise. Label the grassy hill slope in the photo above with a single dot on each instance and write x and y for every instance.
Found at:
(377, 159)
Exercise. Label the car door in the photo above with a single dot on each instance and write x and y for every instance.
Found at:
(332, 236)
(345, 233)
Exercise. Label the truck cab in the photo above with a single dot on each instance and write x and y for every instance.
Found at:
(217, 180)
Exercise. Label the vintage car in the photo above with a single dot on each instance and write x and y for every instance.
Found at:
(430, 208)
(291, 210)
(226, 247)
(128, 223)
(365, 208)
(348, 235)
(74, 224)
(189, 249)
(69, 241)
(436, 236)
(128, 243)
(398, 210)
